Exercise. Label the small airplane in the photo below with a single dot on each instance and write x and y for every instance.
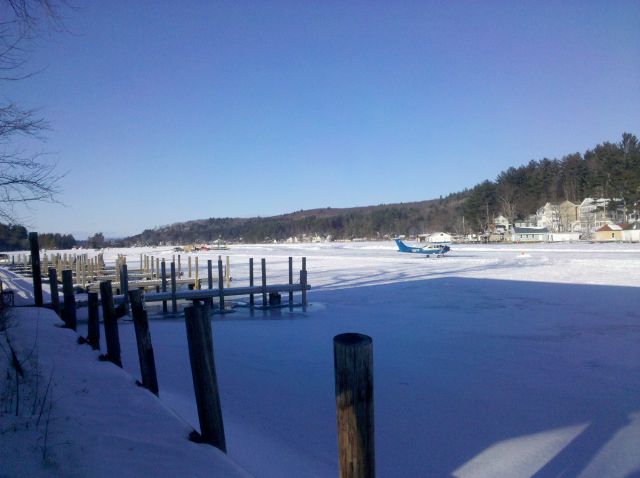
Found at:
(430, 249)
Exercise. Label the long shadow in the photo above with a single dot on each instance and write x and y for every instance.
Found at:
(481, 364)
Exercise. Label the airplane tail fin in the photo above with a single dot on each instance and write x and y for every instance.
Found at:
(402, 247)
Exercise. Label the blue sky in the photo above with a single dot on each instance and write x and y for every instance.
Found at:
(169, 111)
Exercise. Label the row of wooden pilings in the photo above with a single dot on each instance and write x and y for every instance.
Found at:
(353, 365)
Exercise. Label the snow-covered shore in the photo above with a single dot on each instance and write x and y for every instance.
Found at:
(79, 417)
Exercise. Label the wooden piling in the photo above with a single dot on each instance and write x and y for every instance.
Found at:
(197, 278)
(174, 301)
(189, 265)
(210, 280)
(110, 323)
(164, 286)
(53, 286)
(251, 298)
(124, 286)
(291, 279)
(263, 263)
(93, 325)
(35, 269)
(69, 312)
(227, 273)
(143, 340)
(203, 370)
(179, 266)
(303, 286)
(221, 284)
(353, 368)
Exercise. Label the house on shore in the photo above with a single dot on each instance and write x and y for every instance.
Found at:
(608, 233)
(631, 232)
(530, 234)
(564, 236)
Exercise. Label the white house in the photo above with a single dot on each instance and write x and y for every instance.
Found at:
(631, 232)
(530, 234)
(548, 216)
(501, 224)
(440, 238)
(564, 236)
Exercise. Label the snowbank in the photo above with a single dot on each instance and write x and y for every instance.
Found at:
(78, 416)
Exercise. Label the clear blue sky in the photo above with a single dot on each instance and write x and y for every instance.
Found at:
(170, 111)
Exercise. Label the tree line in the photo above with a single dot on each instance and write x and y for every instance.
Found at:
(610, 170)
(16, 238)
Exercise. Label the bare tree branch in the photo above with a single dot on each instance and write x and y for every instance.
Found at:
(24, 178)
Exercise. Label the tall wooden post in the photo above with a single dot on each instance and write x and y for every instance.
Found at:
(290, 280)
(197, 278)
(203, 371)
(164, 286)
(251, 299)
(303, 281)
(69, 313)
(111, 334)
(53, 285)
(353, 368)
(303, 287)
(124, 286)
(179, 266)
(227, 273)
(93, 325)
(221, 284)
(210, 280)
(189, 265)
(143, 340)
(263, 262)
(174, 301)
(35, 269)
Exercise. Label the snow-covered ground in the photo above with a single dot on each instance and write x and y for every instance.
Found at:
(517, 360)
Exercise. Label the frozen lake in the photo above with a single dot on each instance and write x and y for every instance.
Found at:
(517, 360)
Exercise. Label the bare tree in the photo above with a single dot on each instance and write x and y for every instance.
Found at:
(507, 197)
(25, 178)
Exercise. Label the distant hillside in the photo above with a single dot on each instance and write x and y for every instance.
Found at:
(610, 170)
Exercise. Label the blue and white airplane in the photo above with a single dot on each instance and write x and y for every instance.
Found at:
(430, 249)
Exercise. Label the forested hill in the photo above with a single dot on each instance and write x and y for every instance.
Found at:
(609, 170)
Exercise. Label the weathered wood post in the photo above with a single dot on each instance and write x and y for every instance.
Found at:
(221, 283)
(353, 368)
(251, 299)
(303, 287)
(203, 371)
(124, 286)
(303, 281)
(143, 339)
(164, 286)
(69, 312)
(290, 280)
(35, 269)
(157, 267)
(227, 273)
(110, 323)
(179, 266)
(93, 324)
(197, 278)
(174, 301)
(263, 263)
(189, 265)
(53, 285)
(210, 280)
